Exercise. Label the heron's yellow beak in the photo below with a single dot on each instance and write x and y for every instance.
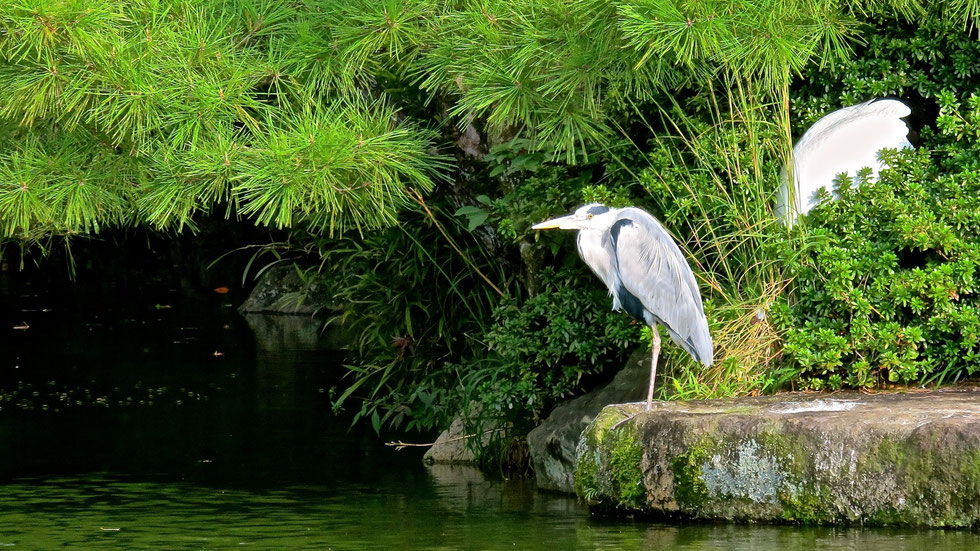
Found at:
(546, 225)
(553, 223)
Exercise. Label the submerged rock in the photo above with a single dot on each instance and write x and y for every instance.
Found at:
(287, 313)
(552, 444)
(890, 459)
(276, 333)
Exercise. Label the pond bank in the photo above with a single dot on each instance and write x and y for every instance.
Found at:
(889, 459)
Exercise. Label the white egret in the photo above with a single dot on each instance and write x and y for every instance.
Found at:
(842, 142)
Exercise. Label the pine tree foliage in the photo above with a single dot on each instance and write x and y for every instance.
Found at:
(150, 111)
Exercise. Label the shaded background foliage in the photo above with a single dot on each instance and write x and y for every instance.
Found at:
(408, 145)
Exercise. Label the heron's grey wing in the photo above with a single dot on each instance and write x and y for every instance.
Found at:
(653, 269)
(843, 141)
(596, 249)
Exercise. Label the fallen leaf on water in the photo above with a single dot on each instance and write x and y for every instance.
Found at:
(221, 290)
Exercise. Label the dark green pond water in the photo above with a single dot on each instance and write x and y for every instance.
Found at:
(137, 413)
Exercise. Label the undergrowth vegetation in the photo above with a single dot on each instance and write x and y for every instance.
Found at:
(409, 145)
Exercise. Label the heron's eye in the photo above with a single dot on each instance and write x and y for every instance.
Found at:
(591, 215)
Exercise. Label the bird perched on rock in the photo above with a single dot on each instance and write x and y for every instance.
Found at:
(844, 141)
(646, 274)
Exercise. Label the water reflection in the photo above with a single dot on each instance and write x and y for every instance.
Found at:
(441, 510)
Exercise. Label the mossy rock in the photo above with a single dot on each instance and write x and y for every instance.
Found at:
(897, 459)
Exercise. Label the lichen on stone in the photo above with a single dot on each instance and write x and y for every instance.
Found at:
(750, 473)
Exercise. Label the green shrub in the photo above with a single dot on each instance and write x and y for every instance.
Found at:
(885, 293)
(888, 291)
(544, 346)
(910, 60)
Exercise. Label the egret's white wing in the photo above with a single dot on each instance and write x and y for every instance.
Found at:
(653, 269)
(843, 142)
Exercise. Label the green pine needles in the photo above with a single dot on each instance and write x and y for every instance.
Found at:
(150, 111)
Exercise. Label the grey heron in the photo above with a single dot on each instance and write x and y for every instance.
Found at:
(843, 141)
(646, 274)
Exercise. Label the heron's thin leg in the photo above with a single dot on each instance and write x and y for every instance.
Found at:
(653, 363)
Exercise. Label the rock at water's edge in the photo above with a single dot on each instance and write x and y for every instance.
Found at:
(890, 459)
(552, 444)
(451, 446)
(278, 291)
(280, 322)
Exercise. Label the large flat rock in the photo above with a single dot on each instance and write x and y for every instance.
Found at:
(887, 459)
